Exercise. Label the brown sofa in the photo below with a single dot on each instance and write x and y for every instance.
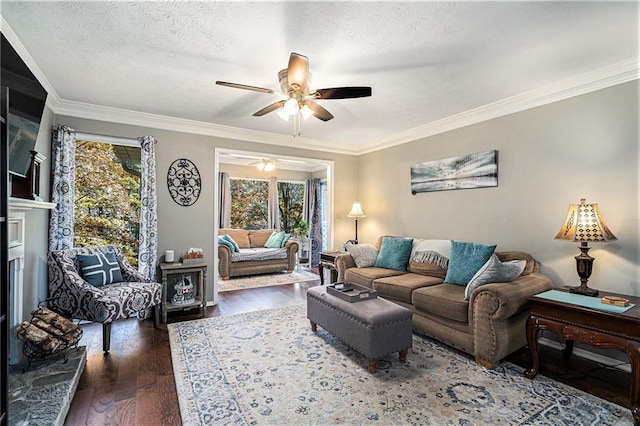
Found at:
(489, 325)
(252, 242)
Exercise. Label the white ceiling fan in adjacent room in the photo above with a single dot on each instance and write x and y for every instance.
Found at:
(299, 99)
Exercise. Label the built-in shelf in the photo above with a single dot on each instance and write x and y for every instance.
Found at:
(26, 204)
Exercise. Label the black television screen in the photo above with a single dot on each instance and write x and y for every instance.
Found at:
(26, 105)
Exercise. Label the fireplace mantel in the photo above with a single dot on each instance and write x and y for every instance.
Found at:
(26, 204)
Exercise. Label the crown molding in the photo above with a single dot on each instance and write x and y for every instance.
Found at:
(611, 75)
(143, 119)
(52, 95)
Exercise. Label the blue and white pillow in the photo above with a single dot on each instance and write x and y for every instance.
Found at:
(100, 269)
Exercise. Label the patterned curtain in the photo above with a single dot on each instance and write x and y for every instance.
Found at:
(63, 169)
(148, 248)
(224, 187)
(274, 204)
(315, 222)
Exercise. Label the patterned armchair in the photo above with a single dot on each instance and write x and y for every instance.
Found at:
(72, 296)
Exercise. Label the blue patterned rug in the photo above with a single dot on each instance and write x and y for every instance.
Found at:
(269, 368)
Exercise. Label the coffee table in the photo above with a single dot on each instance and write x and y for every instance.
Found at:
(374, 327)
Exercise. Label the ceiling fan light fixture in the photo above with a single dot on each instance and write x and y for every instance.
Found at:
(283, 114)
(266, 165)
(291, 106)
(306, 112)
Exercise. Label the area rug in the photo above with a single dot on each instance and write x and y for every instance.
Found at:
(266, 280)
(268, 367)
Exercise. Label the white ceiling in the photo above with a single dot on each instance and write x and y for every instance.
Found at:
(432, 65)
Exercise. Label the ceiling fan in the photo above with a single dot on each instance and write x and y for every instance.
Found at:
(300, 98)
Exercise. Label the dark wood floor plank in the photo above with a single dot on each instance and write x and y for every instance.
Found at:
(134, 384)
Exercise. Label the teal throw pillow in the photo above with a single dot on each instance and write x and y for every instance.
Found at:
(466, 259)
(394, 253)
(275, 240)
(285, 238)
(99, 269)
(227, 243)
(235, 246)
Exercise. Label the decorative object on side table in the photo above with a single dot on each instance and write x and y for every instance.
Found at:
(193, 255)
(356, 213)
(584, 224)
(184, 182)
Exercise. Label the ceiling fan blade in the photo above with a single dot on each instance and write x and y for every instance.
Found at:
(297, 72)
(343, 92)
(319, 112)
(245, 87)
(269, 108)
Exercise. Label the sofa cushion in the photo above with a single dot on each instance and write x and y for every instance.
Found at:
(443, 300)
(400, 287)
(430, 257)
(240, 236)
(364, 255)
(494, 271)
(394, 253)
(365, 276)
(259, 237)
(466, 259)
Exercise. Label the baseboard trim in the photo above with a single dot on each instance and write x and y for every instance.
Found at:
(592, 356)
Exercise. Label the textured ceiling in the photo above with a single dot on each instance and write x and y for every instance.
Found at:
(425, 61)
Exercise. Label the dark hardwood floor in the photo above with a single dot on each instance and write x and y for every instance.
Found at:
(134, 384)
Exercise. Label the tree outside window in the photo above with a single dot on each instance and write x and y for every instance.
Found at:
(107, 198)
(249, 204)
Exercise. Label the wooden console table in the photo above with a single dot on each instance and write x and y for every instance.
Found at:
(592, 326)
(172, 273)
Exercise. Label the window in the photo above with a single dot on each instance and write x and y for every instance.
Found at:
(291, 199)
(250, 203)
(107, 196)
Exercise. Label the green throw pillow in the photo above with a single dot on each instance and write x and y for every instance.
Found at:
(394, 253)
(466, 259)
(285, 238)
(275, 240)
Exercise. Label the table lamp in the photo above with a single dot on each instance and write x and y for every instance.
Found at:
(356, 213)
(584, 224)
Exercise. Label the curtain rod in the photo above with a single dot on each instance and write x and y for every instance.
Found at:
(116, 140)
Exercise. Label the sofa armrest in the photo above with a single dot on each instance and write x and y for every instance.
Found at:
(342, 263)
(503, 300)
(292, 251)
(224, 261)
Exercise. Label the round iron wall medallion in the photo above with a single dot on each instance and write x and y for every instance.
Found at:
(184, 182)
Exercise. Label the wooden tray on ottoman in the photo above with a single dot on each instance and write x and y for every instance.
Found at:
(351, 292)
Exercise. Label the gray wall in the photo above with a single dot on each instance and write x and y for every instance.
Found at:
(549, 157)
(180, 228)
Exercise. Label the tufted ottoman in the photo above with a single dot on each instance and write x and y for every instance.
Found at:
(374, 327)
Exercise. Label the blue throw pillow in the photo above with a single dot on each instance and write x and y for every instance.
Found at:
(234, 246)
(223, 242)
(394, 253)
(466, 259)
(275, 240)
(285, 238)
(99, 269)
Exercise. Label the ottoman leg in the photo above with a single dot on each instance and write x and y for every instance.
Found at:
(403, 355)
(373, 365)
(314, 326)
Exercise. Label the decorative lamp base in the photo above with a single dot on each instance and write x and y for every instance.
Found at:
(583, 290)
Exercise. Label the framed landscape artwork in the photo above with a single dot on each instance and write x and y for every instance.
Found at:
(477, 170)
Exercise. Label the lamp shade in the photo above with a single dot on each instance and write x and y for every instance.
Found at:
(584, 223)
(356, 211)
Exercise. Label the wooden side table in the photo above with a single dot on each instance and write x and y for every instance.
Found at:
(592, 326)
(173, 274)
(328, 260)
